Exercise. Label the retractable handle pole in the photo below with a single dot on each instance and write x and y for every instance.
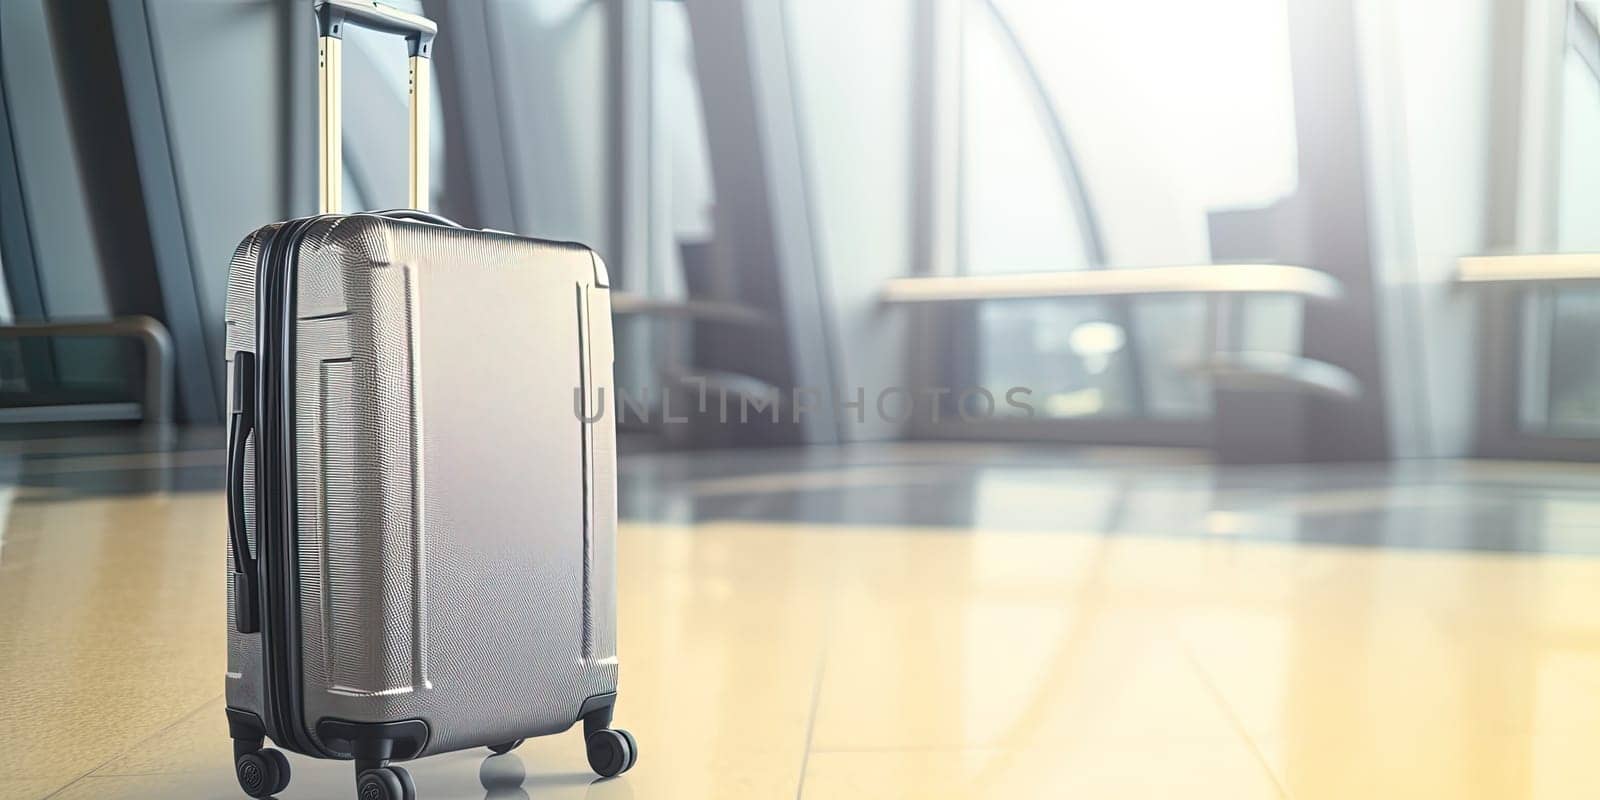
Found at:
(332, 17)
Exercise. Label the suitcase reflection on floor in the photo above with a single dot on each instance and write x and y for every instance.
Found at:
(502, 777)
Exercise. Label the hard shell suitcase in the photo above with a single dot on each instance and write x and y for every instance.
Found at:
(421, 491)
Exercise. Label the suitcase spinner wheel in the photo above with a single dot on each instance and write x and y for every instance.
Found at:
(385, 783)
(612, 751)
(262, 773)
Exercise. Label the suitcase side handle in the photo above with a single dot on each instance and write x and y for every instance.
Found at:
(241, 421)
(419, 31)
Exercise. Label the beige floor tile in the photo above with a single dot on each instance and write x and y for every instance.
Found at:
(1122, 770)
(721, 637)
(196, 743)
(27, 788)
(1368, 684)
(720, 640)
(878, 662)
(111, 616)
(1001, 641)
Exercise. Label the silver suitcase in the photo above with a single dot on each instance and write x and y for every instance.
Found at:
(421, 488)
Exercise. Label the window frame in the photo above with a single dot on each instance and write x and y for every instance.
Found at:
(1517, 319)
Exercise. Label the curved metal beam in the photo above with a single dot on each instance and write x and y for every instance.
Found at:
(1072, 180)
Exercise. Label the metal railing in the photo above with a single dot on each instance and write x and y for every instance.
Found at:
(156, 396)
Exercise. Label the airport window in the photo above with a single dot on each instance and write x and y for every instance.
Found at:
(1563, 395)
(1077, 154)
(376, 98)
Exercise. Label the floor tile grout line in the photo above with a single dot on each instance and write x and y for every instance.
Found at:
(1233, 719)
(817, 676)
(179, 720)
(811, 717)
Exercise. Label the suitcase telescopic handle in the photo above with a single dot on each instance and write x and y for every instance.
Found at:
(332, 17)
(241, 421)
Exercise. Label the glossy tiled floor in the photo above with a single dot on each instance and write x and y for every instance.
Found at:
(909, 622)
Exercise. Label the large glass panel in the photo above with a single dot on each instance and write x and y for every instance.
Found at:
(1578, 209)
(551, 85)
(853, 99)
(1574, 368)
(682, 199)
(1566, 322)
(1080, 152)
(374, 172)
(12, 376)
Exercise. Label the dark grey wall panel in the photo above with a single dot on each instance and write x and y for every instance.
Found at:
(92, 91)
(477, 189)
(551, 84)
(69, 263)
(210, 109)
(526, 84)
(23, 298)
(67, 259)
(764, 218)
